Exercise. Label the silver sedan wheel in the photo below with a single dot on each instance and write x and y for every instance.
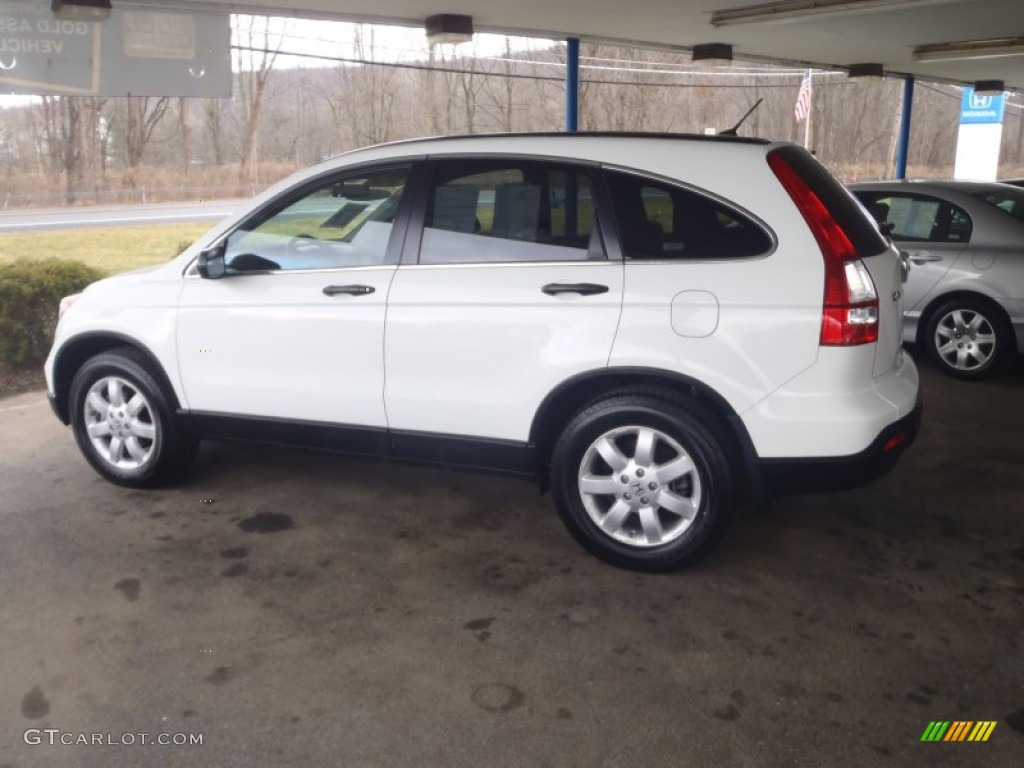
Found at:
(965, 339)
(639, 486)
(120, 424)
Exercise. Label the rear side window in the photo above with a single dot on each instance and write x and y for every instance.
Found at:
(852, 219)
(918, 218)
(662, 221)
(1010, 201)
(488, 211)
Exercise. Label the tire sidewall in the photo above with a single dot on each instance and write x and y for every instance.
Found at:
(115, 365)
(696, 439)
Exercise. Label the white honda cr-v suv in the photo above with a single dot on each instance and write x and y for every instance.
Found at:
(643, 322)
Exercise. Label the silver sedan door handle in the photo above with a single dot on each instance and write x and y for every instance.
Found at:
(923, 257)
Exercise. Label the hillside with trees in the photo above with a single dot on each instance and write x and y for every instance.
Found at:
(288, 112)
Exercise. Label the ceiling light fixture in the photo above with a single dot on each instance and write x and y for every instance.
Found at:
(712, 53)
(81, 10)
(867, 71)
(970, 50)
(449, 28)
(797, 9)
(989, 86)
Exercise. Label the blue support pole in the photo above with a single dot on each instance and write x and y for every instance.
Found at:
(572, 84)
(903, 147)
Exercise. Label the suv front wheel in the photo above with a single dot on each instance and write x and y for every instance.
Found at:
(642, 483)
(124, 423)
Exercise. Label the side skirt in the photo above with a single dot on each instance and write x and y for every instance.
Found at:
(506, 457)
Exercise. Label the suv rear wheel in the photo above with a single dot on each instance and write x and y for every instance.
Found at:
(968, 338)
(642, 483)
(124, 423)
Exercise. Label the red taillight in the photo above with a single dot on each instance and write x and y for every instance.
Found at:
(850, 307)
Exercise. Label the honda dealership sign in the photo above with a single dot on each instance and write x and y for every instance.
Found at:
(134, 52)
(980, 136)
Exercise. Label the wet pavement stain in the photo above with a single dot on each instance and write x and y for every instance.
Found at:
(220, 676)
(479, 628)
(130, 588)
(34, 704)
(235, 553)
(1016, 720)
(564, 714)
(266, 522)
(729, 713)
(235, 570)
(498, 697)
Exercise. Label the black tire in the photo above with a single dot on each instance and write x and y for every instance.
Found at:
(679, 538)
(953, 338)
(162, 449)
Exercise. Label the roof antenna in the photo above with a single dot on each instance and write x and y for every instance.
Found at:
(732, 131)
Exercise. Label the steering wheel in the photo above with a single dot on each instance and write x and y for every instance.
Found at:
(306, 245)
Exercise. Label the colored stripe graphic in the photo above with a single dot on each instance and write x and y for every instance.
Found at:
(958, 730)
(982, 730)
(935, 731)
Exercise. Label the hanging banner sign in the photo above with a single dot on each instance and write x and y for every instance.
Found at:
(132, 53)
(981, 107)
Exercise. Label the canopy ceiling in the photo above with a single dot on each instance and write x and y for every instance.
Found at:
(885, 34)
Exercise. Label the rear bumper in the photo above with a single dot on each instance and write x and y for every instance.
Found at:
(818, 475)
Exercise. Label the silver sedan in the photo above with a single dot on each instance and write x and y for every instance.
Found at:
(964, 299)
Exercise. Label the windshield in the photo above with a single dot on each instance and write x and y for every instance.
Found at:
(1009, 201)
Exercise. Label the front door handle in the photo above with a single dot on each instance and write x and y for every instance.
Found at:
(583, 289)
(349, 290)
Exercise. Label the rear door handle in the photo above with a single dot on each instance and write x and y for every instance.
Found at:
(349, 290)
(583, 289)
(923, 257)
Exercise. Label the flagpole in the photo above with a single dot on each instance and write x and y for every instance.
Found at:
(810, 105)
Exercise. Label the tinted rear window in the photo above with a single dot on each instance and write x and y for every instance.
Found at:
(1009, 201)
(858, 226)
(658, 220)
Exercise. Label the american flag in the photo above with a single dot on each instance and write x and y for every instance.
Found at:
(803, 99)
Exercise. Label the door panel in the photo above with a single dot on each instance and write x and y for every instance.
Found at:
(274, 345)
(295, 330)
(473, 350)
(505, 292)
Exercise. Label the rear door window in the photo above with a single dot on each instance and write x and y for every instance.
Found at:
(657, 220)
(498, 211)
(918, 218)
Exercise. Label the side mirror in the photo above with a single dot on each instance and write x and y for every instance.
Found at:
(211, 263)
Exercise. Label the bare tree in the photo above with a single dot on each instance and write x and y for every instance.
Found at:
(258, 50)
(141, 115)
(365, 101)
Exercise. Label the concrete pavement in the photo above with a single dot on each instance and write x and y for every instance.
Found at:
(322, 611)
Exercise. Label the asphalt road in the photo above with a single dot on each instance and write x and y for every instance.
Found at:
(299, 609)
(115, 215)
